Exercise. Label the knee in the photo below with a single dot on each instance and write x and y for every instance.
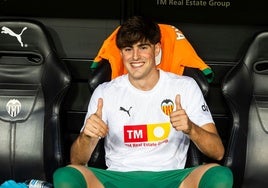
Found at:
(68, 177)
(217, 176)
(59, 174)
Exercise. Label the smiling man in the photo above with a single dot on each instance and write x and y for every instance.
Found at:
(147, 118)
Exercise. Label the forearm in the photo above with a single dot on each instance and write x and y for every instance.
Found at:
(82, 149)
(207, 142)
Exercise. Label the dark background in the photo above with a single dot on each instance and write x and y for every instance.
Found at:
(220, 36)
(215, 11)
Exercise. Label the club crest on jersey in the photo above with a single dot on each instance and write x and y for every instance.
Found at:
(167, 106)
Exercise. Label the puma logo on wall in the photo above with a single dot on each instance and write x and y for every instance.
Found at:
(8, 31)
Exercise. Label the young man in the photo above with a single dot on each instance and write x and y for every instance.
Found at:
(147, 118)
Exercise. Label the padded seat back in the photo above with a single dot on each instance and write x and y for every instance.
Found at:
(33, 82)
(246, 92)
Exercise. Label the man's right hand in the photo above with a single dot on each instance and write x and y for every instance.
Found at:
(95, 127)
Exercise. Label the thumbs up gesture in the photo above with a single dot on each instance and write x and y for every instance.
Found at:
(179, 119)
(95, 127)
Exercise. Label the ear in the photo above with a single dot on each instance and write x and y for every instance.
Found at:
(157, 49)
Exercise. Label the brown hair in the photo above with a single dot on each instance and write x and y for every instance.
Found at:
(137, 29)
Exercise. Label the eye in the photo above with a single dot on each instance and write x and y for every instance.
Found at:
(127, 49)
(144, 47)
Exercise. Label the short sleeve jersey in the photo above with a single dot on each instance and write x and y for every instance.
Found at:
(141, 136)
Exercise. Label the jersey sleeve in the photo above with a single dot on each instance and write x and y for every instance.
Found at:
(196, 106)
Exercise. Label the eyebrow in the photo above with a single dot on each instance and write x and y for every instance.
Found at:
(144, 44)
(139, 45)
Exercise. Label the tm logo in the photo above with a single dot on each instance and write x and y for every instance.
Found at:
(146, 132)
(6, 30)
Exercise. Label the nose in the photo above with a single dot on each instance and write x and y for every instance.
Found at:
(136, 54)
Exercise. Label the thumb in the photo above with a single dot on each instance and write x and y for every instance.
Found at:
(99, 108)
(178, 102)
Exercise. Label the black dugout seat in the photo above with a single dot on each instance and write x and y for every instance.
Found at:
(33, 82)
(103, 73)
(245, 89)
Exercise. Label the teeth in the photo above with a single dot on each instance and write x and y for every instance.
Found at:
(137, 64)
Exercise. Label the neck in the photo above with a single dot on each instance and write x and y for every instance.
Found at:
(147, 83)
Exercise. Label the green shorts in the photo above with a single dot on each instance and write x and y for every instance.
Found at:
(141, 179)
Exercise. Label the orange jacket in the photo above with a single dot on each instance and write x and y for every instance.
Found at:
(177, 53)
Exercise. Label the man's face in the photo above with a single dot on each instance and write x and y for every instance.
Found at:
(139, 59)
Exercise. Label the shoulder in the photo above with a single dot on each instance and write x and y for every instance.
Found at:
(180, 82)
(115, 83)
(169, 76)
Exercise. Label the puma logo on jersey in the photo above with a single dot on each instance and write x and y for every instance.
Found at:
(124, 110)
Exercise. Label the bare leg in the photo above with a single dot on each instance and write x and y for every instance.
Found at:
(193, 179)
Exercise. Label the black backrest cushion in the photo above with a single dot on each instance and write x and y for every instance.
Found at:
(33, 82)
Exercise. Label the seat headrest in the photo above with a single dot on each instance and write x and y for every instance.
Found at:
(23, 36)
(256, 60)
(258, 50)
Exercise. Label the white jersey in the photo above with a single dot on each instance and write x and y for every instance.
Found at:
(141, 136)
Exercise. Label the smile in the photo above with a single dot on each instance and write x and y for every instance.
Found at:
(137, 64)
